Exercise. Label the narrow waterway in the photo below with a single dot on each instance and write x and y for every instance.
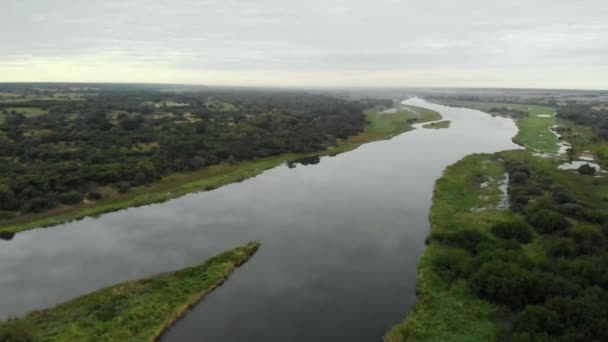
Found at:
(340, 241)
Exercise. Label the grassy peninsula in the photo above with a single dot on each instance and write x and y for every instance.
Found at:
(133, 311)
(380, 125)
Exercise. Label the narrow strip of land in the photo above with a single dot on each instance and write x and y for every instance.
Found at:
(133, 311)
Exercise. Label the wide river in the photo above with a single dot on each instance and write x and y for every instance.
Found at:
(340, 239)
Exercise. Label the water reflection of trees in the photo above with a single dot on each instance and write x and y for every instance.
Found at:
(304, 161)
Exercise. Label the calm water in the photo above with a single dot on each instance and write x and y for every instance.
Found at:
(340, 241)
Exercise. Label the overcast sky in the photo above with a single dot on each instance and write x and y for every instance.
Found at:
(472, 43)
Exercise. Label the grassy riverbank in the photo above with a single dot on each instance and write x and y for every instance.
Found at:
(133, 311)
(534, 129)
(380, 127)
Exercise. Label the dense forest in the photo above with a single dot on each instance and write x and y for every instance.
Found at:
(63, 148)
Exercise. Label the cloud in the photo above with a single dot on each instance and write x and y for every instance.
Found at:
(371, 39)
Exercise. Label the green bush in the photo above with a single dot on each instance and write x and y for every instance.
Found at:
(547, 221)
(561, 247)
(503, 283)
(536, 319)
(70, 197)
(452, 263)
(466, 238)
(516, 229)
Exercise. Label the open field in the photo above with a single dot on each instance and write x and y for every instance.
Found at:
(138, 310)
(380, 127)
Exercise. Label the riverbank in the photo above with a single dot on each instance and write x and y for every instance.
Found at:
(138, 310)
(381, 126)
(446, 310)
(534, 128)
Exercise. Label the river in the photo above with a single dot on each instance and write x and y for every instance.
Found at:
(340, 239)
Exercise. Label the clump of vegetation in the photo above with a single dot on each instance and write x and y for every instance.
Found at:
(133, 311)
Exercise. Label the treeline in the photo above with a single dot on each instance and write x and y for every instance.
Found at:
(586, 115)
(131, 138)
(546, 266)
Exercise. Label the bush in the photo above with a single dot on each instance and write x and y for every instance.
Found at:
(71, 197)
(466, 238)
(93, 195)
(36, 205)
(572, 209)
(503, 283)
(588, 239)
(561, 247)
(123, 187)
(586, 169)
(547, 221)
(452, 263)
(562, 195)
(536, 319)
(516, 229)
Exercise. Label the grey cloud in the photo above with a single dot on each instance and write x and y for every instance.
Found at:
(310, 35)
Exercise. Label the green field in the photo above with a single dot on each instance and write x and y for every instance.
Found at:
(533, 131)
(138, 310)
(28, 111)
(380, 127)
(438, 125)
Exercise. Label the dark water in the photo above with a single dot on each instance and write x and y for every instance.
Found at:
(340, 241)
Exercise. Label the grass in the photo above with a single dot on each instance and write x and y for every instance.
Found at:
(533, 131)
(438, 125)
(138, 310)
(380, 127)
(443, 311)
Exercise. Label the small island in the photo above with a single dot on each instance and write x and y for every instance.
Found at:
(438, 125)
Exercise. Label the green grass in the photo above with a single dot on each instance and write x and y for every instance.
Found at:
(138, 310)
(438, 125)
(444, 311)
(533, 131)
(380, 127)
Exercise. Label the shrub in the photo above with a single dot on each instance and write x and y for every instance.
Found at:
(70, 197)
(562, 195)
(572, 209)
(516, 229)
(503, 283)
(547, 221)
(561, 247)
(466, 238)
(586, 169)
(536, 319)
(452, 263)
(36, 205)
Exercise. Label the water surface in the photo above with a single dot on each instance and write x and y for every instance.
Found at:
(340, 239)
